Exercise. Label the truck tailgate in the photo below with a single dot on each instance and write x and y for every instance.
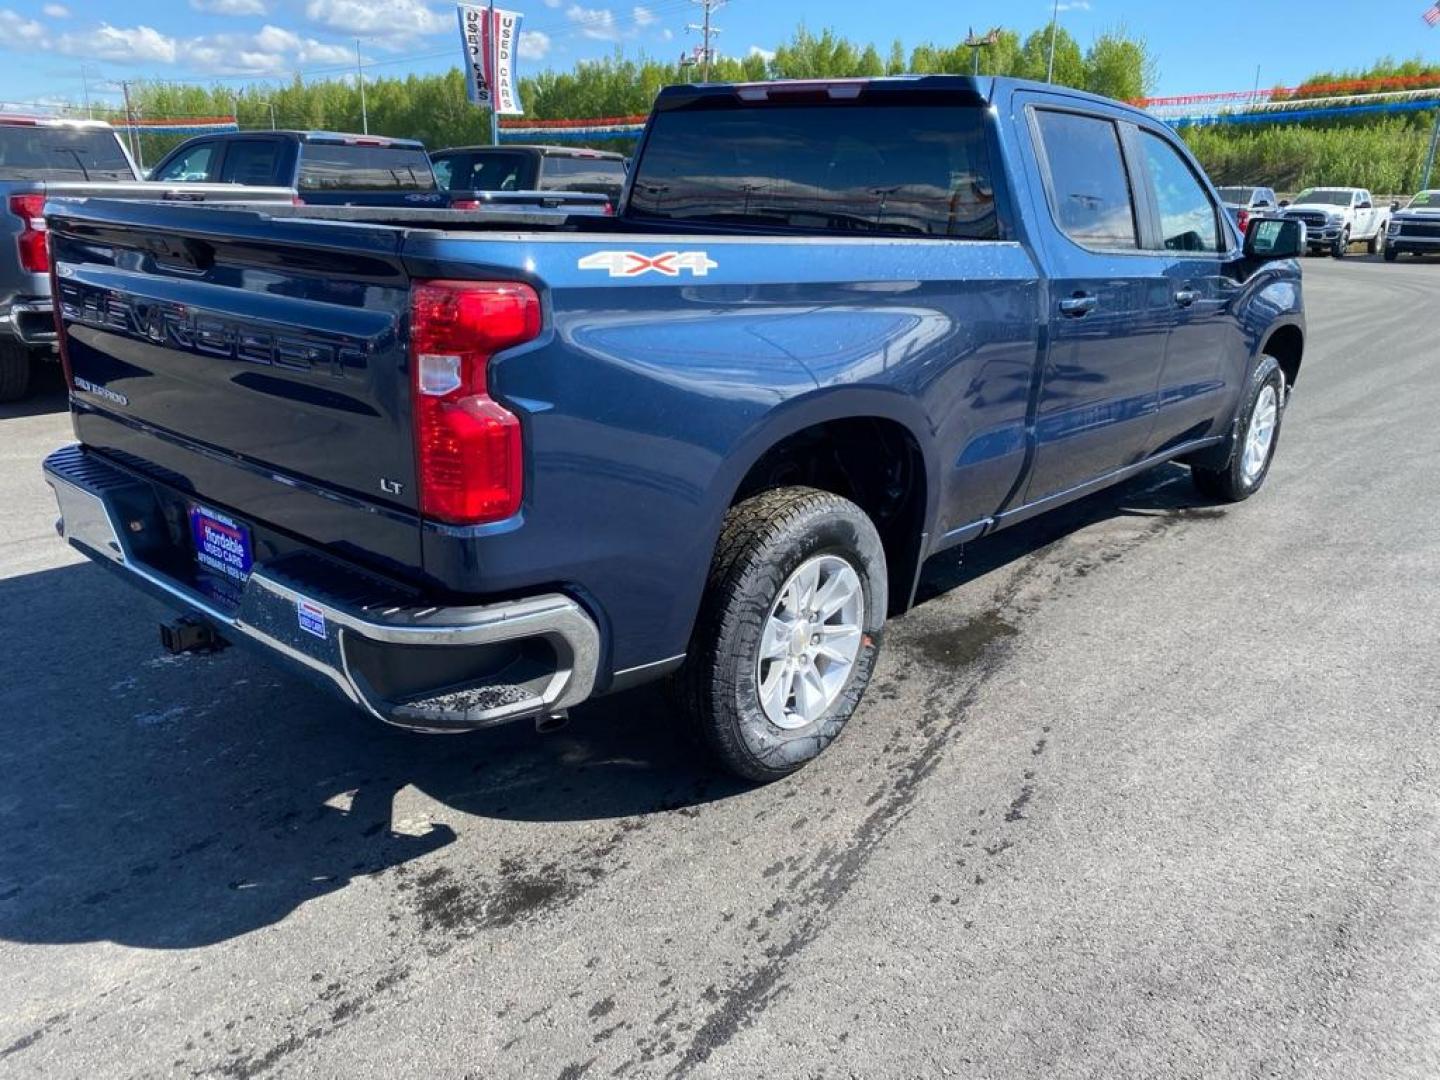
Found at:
(258, 365)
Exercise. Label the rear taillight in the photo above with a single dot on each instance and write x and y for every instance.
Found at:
(465, 204)
(1242, 219)
(296, 200)
(609, 210)
(34, 255)
(469, 456)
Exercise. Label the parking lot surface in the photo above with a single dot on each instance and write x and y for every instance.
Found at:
(1145, 788)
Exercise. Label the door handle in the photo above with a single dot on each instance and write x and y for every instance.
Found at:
(1186, 297)
(1077, 306)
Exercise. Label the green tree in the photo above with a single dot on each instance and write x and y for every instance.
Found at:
(1118, 66)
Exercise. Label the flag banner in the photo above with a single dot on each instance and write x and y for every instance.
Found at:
(489, 37)
(1432, 16)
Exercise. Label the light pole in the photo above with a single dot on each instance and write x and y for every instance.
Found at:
(1054, 22)
(360, 71)
(85, 90)
(271, 106)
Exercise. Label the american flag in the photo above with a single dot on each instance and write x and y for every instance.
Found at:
(1432, 15)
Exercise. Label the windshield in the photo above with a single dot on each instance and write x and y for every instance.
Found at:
(61, 153)
(1236, 196)
(1325, 196)
(1425, 200)
(336, 167)
(915, 170)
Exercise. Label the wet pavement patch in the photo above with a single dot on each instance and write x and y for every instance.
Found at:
(962, 646)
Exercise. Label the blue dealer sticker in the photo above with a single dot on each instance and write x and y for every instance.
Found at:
(312, 618)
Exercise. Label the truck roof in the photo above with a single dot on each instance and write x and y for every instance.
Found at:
(956, 89)
(20, 120)
(347, 137)
(541, 148)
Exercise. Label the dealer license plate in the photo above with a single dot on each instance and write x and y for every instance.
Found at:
(222, 544)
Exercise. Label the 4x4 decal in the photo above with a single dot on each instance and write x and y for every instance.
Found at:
(633, 264)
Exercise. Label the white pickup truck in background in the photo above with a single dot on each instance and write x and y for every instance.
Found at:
(1336, 217)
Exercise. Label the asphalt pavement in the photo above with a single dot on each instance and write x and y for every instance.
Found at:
(1145, 788)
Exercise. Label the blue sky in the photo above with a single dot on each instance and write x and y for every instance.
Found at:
(52, 43)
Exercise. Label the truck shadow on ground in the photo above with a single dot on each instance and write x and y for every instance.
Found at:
(169, 802)
(47, 394)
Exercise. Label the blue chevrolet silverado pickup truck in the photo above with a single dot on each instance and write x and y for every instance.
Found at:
(468, 472)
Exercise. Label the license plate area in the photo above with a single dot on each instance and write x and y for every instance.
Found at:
(222, 544)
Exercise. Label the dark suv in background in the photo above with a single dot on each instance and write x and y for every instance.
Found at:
(530, 168)
(325, 168)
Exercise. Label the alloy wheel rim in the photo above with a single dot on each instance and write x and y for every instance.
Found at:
(1260, 435)
(810, 642)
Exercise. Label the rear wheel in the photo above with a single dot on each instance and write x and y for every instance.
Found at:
(788, 631)
(1376, 242)
(15, 364)
(1253, 444)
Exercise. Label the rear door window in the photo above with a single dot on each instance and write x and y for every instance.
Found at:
(1188, 219)
(1088, 186)
(347, 167)
(255, 162)
(892, 169)
(192, 165)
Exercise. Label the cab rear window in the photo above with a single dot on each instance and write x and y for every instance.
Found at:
(60, 153)
(902, 170)
(334, 167)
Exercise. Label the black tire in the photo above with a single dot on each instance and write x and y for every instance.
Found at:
(763, 541)
(1391, 254)
(1376, 242)
(1342, 245)
(15, 364)
(1228, 483)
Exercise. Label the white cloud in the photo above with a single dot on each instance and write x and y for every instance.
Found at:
(666, 34)
(18, 30)
(1074, 5)
(392, 18)
(597, 24)
(273, 51)
(56, 11)
(534, 45)
(644, 16)
(230, 7)
(277, 39)
(765, 54)
(123, 45)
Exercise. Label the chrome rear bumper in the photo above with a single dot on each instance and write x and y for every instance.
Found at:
(351, 634)
(31, 322)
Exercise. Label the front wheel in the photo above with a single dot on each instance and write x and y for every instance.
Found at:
(1256, 436)
(788, 631)
(1342, 245)
(1391, 254)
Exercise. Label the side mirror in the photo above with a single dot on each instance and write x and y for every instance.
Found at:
(1394, 206)
(1268, 239)
(1365, 206)
(1284, 203)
